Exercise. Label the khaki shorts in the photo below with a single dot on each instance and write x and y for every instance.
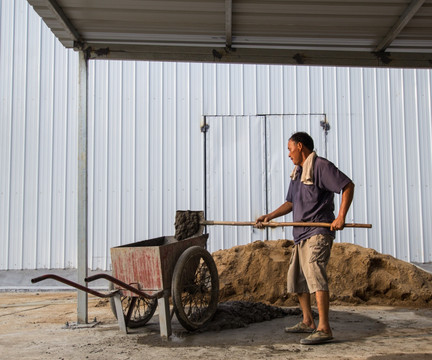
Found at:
(307, 269)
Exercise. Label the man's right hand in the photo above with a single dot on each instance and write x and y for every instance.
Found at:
(260, 220)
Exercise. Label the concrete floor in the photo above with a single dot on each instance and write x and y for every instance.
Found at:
(34, 326)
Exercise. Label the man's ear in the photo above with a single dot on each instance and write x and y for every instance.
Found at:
(300, 146)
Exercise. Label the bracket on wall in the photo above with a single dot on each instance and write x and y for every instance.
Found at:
(325, 125)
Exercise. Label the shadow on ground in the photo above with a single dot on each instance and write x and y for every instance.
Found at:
(255, 325)
(401, 357)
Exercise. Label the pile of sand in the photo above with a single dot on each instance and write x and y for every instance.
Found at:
(257, 272)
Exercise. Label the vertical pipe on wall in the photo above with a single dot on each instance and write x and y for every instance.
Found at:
(82, 261)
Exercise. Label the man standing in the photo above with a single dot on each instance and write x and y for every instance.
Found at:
(314, 181)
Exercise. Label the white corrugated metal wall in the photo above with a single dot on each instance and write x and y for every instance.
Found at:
(38, 144)
(146, 147)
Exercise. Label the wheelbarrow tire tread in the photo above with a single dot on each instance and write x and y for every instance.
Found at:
(182, 273)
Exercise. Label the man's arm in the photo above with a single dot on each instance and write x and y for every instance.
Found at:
(282, 210)
(347, 196)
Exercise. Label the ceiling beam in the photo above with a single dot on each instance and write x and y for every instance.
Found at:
(259, 56)
(61, 17)
(228, 23)
(409, 12)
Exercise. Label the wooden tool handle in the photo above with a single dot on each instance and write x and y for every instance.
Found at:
(276, 224)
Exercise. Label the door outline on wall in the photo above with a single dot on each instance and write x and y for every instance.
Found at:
(266, 138)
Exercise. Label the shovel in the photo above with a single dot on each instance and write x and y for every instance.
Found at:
(189, 223)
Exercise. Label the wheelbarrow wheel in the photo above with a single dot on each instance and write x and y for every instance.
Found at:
(195, 288)
(136, 310)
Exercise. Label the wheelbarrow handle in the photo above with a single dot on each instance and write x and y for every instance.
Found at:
(97, 293)
(114, 280)
(73, 284)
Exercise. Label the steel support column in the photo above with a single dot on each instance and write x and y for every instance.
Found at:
(82, 261)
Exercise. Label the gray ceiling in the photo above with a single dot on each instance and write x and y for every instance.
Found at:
(393, 33)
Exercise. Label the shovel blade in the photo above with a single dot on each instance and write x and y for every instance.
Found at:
(188, 223)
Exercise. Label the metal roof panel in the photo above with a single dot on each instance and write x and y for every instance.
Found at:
(225, 26)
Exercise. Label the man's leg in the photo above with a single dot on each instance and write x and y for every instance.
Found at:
(305, 304)
(322, 299)
(323, 333)
(314, 268)
(296, 283)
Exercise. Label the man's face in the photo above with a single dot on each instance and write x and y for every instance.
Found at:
(295, 152)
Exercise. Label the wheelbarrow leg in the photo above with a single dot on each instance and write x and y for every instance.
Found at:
(164, 316)
(119, 312)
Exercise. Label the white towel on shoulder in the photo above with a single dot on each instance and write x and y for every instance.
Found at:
(307, 174)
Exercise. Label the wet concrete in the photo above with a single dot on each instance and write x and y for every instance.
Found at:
(239, 314)
(187, 224)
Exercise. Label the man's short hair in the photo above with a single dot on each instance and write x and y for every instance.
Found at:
(304, 138)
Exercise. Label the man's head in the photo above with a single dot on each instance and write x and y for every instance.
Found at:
(300, 145)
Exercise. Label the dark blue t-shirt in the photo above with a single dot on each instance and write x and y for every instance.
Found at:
(315, 203)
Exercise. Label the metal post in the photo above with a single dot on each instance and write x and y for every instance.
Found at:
(82, 261)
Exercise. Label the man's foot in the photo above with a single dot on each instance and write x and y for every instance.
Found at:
(299, 328)
(317, 337)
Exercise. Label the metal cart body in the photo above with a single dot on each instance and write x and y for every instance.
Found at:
(153, 270)
(149, 266)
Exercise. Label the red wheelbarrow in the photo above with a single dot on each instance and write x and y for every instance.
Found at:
(146, 273)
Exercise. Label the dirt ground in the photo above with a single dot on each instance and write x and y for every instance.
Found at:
(32, 326)
(381, 308)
